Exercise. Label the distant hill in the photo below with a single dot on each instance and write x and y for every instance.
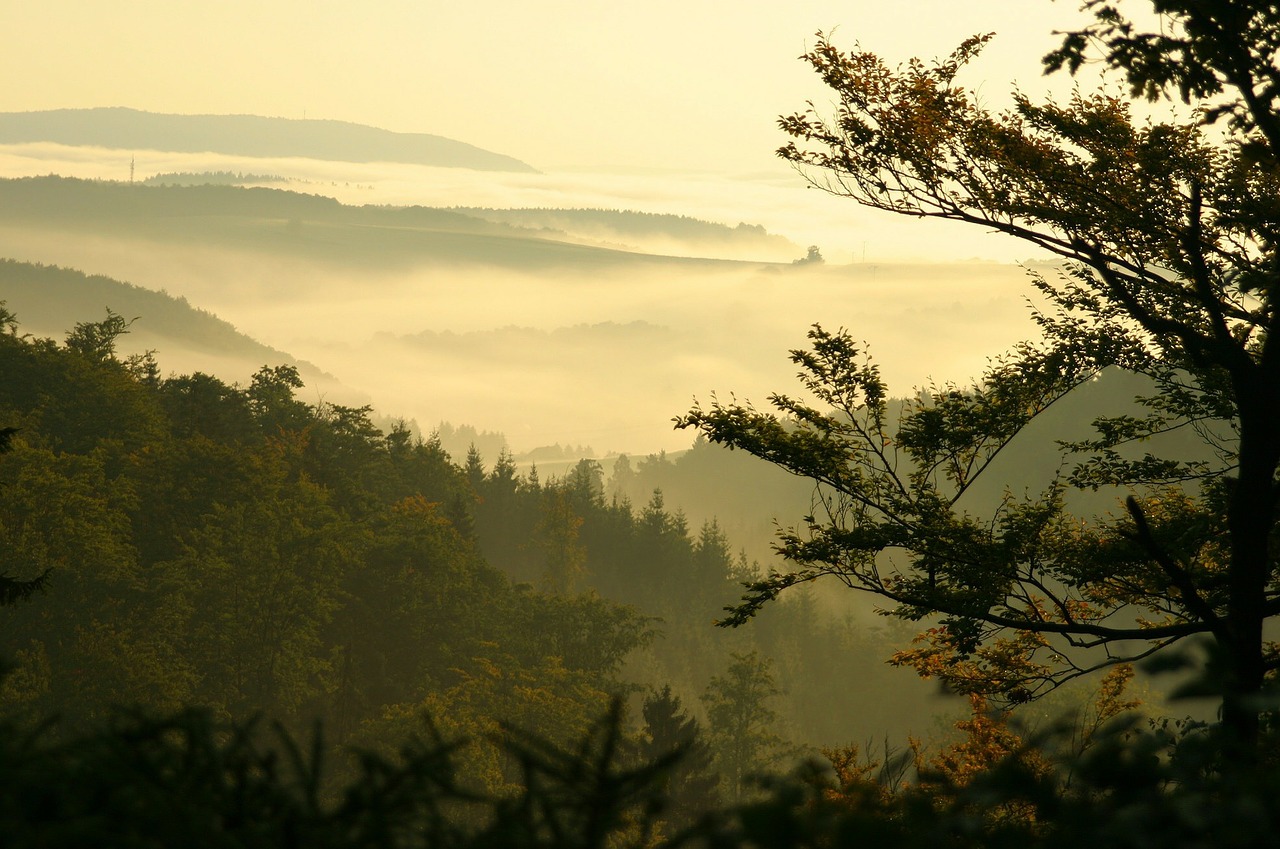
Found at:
(648, 231)
(49, 301)
(246, 135)
(297, 224)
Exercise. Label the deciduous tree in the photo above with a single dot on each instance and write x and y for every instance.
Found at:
(742, 724)
(1170, 233)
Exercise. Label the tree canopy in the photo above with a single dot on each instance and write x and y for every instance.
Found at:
(1168, 232)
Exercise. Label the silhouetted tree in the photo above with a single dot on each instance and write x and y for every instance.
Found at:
(1170, 234)
(97, 339)
(813, 256)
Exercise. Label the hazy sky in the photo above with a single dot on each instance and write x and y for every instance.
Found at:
(678, 85)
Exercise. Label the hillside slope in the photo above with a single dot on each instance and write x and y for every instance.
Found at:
(49, 301)
(246, 135)
(297, 224)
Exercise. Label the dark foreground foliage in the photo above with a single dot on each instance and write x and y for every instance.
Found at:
(188, 780)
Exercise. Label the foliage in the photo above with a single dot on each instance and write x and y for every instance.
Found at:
(742, 724)
(1168, 230)
(233, 547)
(13, 590)
(890, 516)
(557, 536)
(187, 780)
(494, 695)
(237, 548)
(678, 575)
(190, 780)
(691, 785)
(96, 340)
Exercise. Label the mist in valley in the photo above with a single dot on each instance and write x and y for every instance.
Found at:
(600, 348)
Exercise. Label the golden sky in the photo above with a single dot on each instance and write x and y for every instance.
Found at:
(659, 85)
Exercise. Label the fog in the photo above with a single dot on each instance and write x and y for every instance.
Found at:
(602, 355)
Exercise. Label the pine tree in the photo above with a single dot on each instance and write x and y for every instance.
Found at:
(692, 786)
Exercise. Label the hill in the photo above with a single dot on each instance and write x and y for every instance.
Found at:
(49, 300)
(246, 135)
(293, 223)
(374, 292)
(646, 231)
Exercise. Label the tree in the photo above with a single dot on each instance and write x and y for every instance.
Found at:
(65, 516)
(270, 396)
(742, 723)
(1170, 232)
(96, 340)
(260, 578)
(564, 558)
(813, 256)
(474, 467)
(691, 785)
(13, 590)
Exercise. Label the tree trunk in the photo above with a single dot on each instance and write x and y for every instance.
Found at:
(1250, 517)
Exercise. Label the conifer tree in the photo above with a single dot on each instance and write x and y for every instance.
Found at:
(692, 785)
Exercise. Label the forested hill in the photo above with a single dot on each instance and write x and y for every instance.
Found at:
(647, 229)
(47, 299)
(304, 225)
(246, 135)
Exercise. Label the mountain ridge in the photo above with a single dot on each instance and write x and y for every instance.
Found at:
(122, 128)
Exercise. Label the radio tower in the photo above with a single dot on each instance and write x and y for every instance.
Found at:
(131, 160)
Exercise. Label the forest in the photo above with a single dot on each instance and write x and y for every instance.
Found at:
(231, 547)
(467, 633)
(1035, 610)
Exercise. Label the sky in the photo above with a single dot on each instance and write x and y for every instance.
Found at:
(566, 85)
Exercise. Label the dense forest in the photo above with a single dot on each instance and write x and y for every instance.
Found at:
(237, 548)
(199, 543)
(206, 544)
